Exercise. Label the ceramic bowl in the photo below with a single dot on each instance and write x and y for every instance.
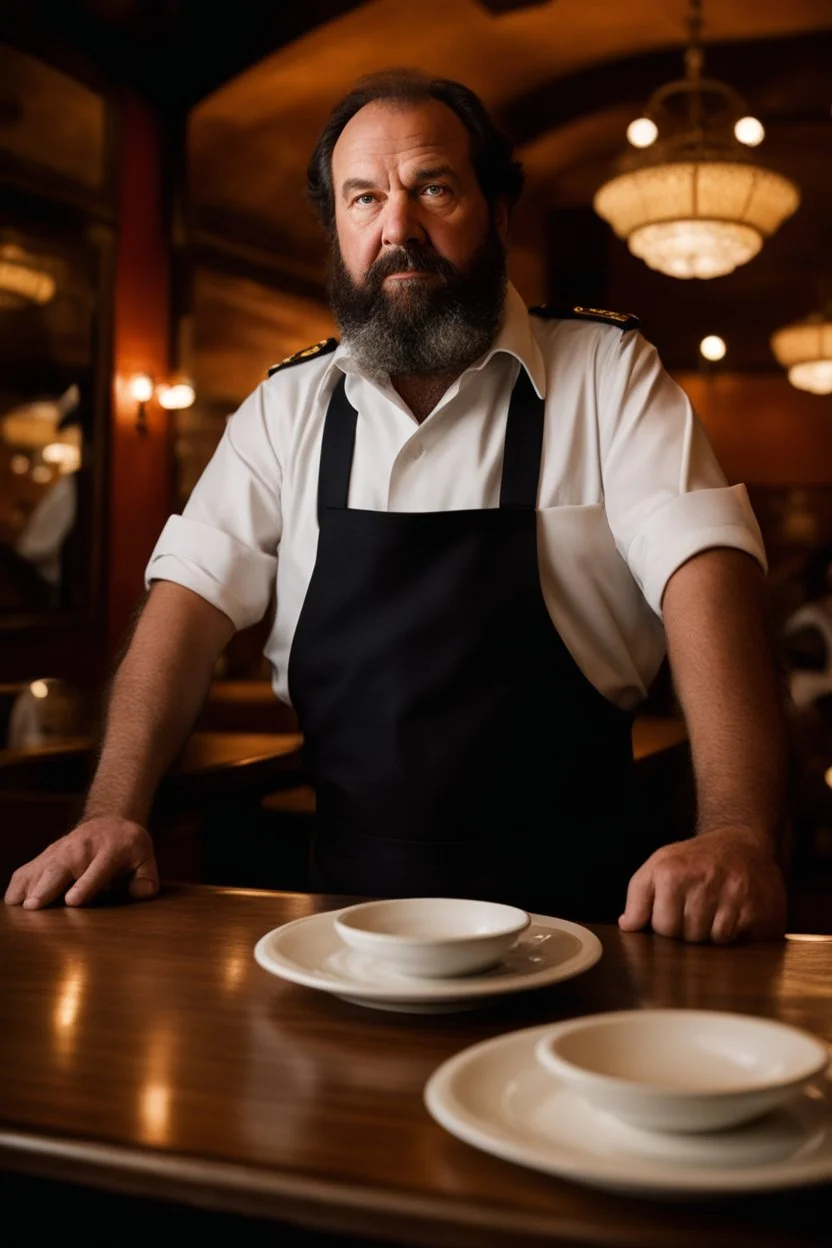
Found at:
(682, 1070)
(432, 937)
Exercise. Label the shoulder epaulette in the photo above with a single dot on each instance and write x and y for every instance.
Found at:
(622, 320)
(308, 353)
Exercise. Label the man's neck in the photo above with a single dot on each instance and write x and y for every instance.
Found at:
(421, 394)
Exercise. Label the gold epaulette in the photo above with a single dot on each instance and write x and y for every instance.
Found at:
(308, 353)
(622, 320)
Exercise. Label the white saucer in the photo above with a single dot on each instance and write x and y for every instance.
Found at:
(497, 1097)
(309, 951)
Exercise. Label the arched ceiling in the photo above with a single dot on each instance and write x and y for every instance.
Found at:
(250, 140)
(564, 77)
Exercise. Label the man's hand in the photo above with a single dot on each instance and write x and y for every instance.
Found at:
(717, 886)
(96, 854)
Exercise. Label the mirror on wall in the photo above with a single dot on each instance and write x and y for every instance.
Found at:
(56, 235)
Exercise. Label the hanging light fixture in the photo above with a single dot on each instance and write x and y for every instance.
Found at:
(804, 349)
(24, 279)
(693, 202)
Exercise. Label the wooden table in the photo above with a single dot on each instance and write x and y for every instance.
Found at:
(144, 1052)
(207, 756)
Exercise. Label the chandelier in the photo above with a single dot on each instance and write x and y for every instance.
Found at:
(23, 278)
(804, 348)
(690, 200)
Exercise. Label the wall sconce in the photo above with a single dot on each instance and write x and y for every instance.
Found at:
(174, 395)
(140, 388)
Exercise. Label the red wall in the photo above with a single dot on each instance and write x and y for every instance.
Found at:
(140, 463)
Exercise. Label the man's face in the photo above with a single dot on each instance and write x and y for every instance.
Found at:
(417, 277)
(403, 177)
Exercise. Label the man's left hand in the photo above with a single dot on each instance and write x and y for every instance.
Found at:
(718, 886)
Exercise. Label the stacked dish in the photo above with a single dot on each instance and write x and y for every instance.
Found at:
(427, 955)
(651, 1101)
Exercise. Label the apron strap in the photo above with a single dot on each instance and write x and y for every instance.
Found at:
(523, 447)
(337, 447)
(521, 452)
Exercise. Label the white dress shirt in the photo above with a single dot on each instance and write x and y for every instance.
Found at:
(629, 487)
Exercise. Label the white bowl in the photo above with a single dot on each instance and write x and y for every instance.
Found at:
(682, 1070)
(432, 937)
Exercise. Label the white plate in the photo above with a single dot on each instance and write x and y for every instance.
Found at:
(497, 1097)
(309, 951)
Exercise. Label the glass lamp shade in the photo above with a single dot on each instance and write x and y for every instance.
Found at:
(805, 350)
(697, 218)
(22, 279)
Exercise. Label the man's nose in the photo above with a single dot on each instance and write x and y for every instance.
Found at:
(402, 224)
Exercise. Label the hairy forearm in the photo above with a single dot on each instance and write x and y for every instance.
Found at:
(726, 678)
(155, 698)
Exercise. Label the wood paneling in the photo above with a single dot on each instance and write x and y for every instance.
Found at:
(764, 431)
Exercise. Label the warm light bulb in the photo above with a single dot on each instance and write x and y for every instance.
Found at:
(642, 132)
(19, 464)
(713, 347)
(177, 396)
(41, 474)
(749, 131)
(141, 387)
(39, 689)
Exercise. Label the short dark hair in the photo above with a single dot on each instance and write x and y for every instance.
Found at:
(492, 151)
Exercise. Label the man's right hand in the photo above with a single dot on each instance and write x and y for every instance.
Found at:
(96, 855)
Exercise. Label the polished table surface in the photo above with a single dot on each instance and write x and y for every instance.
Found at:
(143, 1051)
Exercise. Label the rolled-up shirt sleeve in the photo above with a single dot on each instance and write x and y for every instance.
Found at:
(665, 494)
(224, 545)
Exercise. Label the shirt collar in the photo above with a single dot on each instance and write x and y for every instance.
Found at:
(514, 337)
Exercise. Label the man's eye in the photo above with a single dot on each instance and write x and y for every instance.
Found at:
(434, 190)
(366, 197)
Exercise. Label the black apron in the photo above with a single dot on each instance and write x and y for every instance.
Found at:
(455, 747)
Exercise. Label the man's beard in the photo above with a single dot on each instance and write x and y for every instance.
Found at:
(422, 327)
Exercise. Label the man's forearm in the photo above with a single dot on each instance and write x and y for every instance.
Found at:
(156, 696)
(725, 675)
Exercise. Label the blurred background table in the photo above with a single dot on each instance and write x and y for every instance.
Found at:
(212, 793)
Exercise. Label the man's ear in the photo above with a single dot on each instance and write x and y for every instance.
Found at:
(502, 220)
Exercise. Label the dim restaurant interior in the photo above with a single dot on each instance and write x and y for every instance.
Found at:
(157, 256)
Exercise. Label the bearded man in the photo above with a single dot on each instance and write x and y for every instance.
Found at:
(479, 528)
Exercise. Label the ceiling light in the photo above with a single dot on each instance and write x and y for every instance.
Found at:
(695, 203)
(804, 349)
(713, 347)
(24, 279)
